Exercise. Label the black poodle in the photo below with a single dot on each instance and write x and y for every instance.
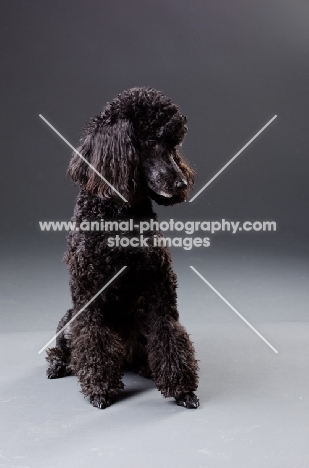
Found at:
(133, 143)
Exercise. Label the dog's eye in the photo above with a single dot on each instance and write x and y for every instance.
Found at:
(151, 142)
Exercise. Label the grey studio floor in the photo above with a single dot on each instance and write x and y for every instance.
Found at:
(254, 403)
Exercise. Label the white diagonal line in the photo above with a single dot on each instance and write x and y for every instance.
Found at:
(231, 160)
(234, 310)
(81, 156)
(83, 308)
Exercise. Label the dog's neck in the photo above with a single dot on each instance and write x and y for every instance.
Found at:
(89, 207)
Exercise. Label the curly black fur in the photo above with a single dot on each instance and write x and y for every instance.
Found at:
(134, 323)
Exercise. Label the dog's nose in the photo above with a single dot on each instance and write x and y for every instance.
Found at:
(181, 184)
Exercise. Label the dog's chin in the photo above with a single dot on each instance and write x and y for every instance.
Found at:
(161, 197)
(164, 194)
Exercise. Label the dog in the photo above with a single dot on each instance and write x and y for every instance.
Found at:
(134, 144)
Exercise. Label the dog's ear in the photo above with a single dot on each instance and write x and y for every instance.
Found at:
(110, 150)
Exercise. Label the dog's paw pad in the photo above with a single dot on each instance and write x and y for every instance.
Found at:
(188, 400)
(100, 401)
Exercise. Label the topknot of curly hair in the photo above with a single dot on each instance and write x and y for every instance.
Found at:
(151, 113)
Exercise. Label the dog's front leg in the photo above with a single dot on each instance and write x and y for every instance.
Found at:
(96, 358)
(171, 360)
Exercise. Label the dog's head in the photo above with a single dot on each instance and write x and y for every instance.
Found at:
(134, 145)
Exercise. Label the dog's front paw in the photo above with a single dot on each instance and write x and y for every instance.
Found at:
(188, 400)
(56, 372)
(100, 401)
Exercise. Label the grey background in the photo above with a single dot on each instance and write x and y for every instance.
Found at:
(231, 66)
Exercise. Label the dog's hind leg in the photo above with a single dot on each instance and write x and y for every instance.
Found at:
(59, 356)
